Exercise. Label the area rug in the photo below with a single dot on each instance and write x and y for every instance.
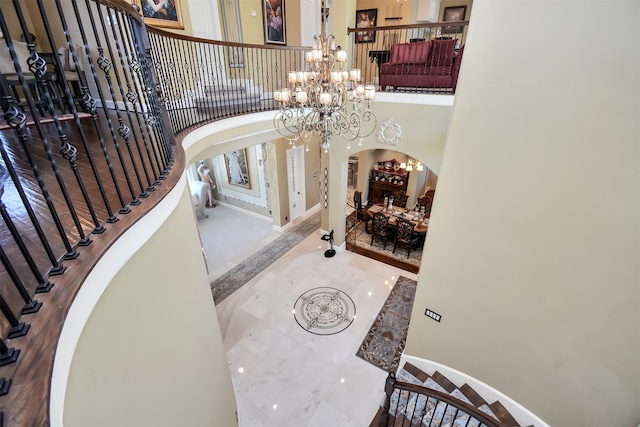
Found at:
(385, 340)
(324, 311)
(359, 237)
(235, 278)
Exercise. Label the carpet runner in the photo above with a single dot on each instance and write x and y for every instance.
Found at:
(386, 339)
(235, 278)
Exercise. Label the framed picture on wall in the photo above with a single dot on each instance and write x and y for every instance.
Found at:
(366, 18)
(237, 168)
(454, 13)
(274, 22)
(161, 13)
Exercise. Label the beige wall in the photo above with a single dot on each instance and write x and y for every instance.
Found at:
(533, 246)
(253, 26)
(386, 9)
(151, 351)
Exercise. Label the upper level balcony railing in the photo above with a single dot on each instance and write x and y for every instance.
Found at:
(421, 58)
(91, 105)
(204, 80)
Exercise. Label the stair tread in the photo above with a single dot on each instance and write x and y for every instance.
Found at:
(473, 396)
(503, 414)
(416, 372)
(437, 381)
(443, 381)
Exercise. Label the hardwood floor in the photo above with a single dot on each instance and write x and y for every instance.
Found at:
(65, 209)
(57, 200)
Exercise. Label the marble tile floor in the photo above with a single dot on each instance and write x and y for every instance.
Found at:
(285, 376)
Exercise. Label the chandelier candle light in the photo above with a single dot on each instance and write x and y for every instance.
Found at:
(410, 163)
(325, 100)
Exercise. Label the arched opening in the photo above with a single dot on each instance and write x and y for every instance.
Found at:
(401, 189)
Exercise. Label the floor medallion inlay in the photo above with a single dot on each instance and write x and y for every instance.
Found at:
(324, 311)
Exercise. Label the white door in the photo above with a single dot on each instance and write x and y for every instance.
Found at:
(295, 175)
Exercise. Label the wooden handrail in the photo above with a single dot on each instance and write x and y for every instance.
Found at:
(392, 384)
(408, 26)
(184, 37)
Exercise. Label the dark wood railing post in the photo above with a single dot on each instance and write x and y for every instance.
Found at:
(388, 390)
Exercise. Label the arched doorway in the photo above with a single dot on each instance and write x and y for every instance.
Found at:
(382, 175)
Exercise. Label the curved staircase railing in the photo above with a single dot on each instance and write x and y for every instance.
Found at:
(427, 400)
(205, 80)
(434, 401)
(86, 151)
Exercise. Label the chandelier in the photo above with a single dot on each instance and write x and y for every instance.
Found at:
(409, 163)
(325, 100)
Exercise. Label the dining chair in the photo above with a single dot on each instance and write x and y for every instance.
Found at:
(400, 198)
(381, 228)
(405, 235)
(361, 214)
(426, 201)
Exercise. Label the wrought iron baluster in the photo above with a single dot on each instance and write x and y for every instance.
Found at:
(56, 267)
(30, 305)
(17, 122)
(5, 384)
(219, 81)
(8, 355)
(18, 329)
(123, 129)
(131, 97)
(158, 108)
(106, 66)
(43, 284)
(151, 112)
(99, 228)
(90, 105)
(190, 95)
(37, 66)
(136, 96)
(179, 87)
(197, 81)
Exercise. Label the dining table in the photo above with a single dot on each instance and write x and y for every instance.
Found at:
(422, 225)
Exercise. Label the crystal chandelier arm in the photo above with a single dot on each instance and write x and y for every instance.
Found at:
(287, 122)
(315, 103)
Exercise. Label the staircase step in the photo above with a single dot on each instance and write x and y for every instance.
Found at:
(443, 381)
(464, 393)
(416, 372)
(473, 396)
(503, 415)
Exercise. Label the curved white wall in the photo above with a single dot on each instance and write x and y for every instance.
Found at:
(532, 256)
(141, 345)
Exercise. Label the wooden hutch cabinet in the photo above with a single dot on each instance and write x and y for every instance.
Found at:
(386, 178)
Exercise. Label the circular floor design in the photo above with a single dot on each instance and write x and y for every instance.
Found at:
(324, 311)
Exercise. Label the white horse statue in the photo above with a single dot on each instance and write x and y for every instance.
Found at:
(199, 196)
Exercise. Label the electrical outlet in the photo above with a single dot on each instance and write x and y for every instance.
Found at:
(432, 314)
